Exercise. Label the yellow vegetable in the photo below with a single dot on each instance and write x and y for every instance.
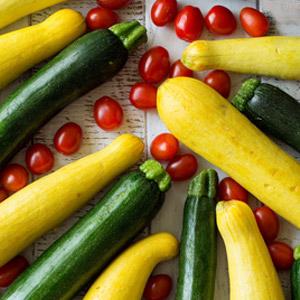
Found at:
(208, 124)
(126, 277)
(45, 203)
(22, 49)
(13, 10)
(276, 56)
(251, 271)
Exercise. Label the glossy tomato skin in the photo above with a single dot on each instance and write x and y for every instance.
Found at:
(10, 271)
(163, 12)
(220, 20)
(164, 147)
(3, 194)
(220, 81)
(254, 22)
(158, 287)
(14, 177)
(39, 159)
(67, 139)
(229, 189)
(108, 113)
(189, 23)
(179, 69)
(268, 223)
(281, 254)
(182, 167)
(154, 65)
(143, 95)
(113, 4)
(101, 18)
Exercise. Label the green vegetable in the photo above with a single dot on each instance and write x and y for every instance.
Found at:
(81, 67)
(271, 109)
(198, 250)
(295, 275)
(93, 241)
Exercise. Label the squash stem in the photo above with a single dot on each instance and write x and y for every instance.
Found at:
(132, 34)
(245, 93)
(297, 253)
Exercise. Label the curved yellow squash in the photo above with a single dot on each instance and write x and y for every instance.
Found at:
(45, 203)
(276, 56)
(22, 49)
(208, 124)
(251, 271)
(13, 10)
(126, 277)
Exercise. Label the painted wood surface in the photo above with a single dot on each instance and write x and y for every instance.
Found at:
(285, 21)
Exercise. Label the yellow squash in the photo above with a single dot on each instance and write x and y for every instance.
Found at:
(126, 277)
(22, 49)
(45, 203)
(13, 10)
(208, 124)
(251, 271)
(276, 56)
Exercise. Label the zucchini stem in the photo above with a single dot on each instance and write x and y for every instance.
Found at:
(297, 253)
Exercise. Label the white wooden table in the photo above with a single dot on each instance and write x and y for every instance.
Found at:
(285, 16)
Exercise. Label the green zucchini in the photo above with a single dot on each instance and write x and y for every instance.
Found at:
(295, 275)
(270, 109)
(84, 250)
(81, 67)
(198, 249)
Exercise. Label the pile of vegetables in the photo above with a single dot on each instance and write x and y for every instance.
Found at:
(196, 113)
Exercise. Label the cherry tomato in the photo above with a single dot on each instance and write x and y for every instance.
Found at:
(179, 69)
(220, 81)
(281, 254)
(189, 23)
(164, 147)
(108, 113)
(143, 95)
(113, 4)
(231, 190)
(154, 65)
(101, 18)
(14, 177)
(267, 222)
(10, 271)
(3, 194)
(220, 20)
(39, 159)
(158, 287)
(163, 12)
(67, 139)
(182, 167)
(254, 22)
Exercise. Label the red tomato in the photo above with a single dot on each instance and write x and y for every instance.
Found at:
(113, 4)
(220, 81)
(3, 194)
(189, 23)
(282, 255)
(108, 113)
(39, 159)
(179, 69)
(67, 139)
(158, 287)
(220, 20)
(254, 22)
(163, 12)
(143, 95)
(267, 222)
(101, 18)
(10, 271)
(154, 65)
(231, 190)
(182, 167)
(14, 177)
(164, 147)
